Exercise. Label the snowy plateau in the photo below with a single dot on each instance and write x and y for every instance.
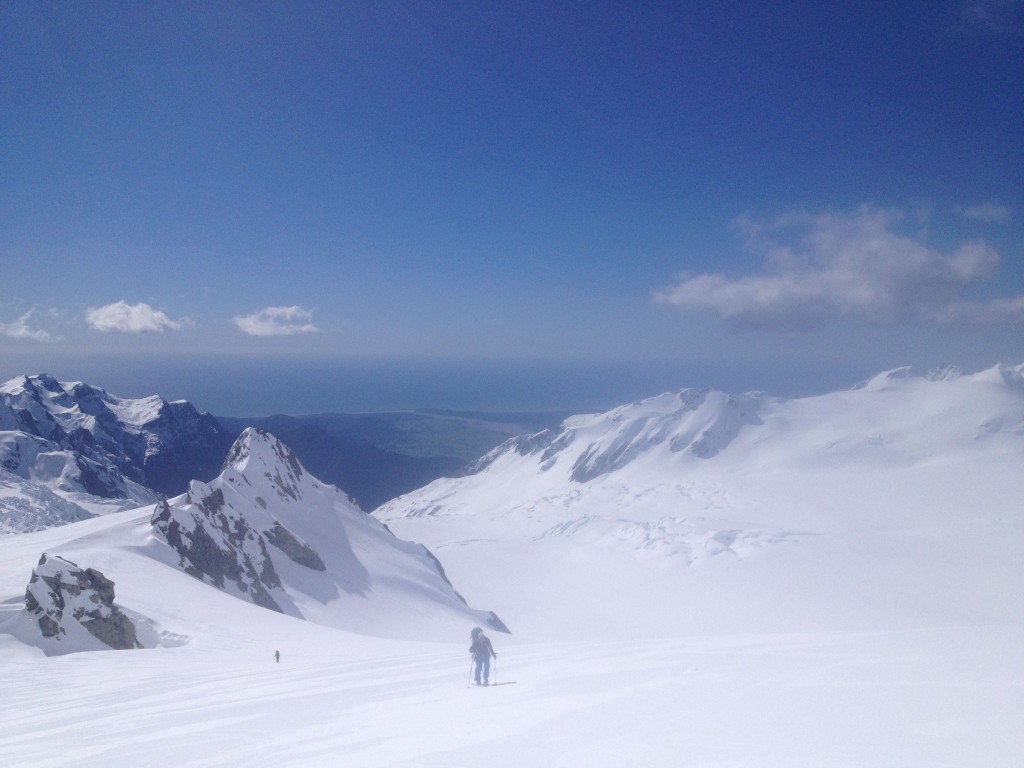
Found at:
(696, 579)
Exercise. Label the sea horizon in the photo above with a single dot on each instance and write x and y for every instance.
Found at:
(244, 387)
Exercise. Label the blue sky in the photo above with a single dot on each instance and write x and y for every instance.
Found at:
(744, 195)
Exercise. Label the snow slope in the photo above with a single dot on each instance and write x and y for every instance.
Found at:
(936, 698)
(896, 504)
(264, 531)
(728, 581)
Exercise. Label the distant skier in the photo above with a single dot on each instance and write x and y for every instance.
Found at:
(482, 652)
(277, 656)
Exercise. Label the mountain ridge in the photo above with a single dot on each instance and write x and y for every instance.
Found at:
(695, 486)
(99, 451)
(264, 531)
(849, 564)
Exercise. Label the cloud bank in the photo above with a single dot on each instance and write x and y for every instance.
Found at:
(830, 267)
(121, 317)
(276, 321)
(20, 329)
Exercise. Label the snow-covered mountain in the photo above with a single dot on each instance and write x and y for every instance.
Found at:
(263, 531)
(94, 451)
(734, 579)
(738, 511)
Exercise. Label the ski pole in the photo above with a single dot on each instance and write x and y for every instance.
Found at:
(470, 681)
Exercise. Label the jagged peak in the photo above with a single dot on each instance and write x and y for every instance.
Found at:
(257, 452)
(76, 397)
(16, 385)
(44, 381)
(37, 387)
(253, 442)
(146, 440)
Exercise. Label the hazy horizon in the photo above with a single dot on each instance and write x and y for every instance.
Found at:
(241, 387)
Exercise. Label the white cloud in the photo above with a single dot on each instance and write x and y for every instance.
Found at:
(20, 329)
(276, 321)
(988, 212)
(844, 266)
(122, 317)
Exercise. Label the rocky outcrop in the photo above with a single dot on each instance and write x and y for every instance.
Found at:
(297, 551)
(223, 536)
(250, 532)
(60, 592)
(219, 547)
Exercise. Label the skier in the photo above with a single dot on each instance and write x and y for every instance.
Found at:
(277, 656)
(482, 652)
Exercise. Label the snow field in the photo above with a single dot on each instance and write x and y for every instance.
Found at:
(928, 697)
(827, 582)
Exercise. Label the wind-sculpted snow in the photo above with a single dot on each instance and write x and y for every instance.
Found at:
(1011, 376)
(1001, 374)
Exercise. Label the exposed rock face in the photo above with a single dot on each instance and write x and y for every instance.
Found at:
(60, 592)
(296, 550)
(158, 444)
(249, 532)
(222, 537)
(218, 547)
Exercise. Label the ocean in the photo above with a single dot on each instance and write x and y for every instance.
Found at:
(229, 386)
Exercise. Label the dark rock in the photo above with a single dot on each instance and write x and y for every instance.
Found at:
(59, 592)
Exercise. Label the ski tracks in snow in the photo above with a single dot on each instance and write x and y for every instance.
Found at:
(929, 697)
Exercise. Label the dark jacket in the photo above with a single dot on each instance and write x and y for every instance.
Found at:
(481, 647)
